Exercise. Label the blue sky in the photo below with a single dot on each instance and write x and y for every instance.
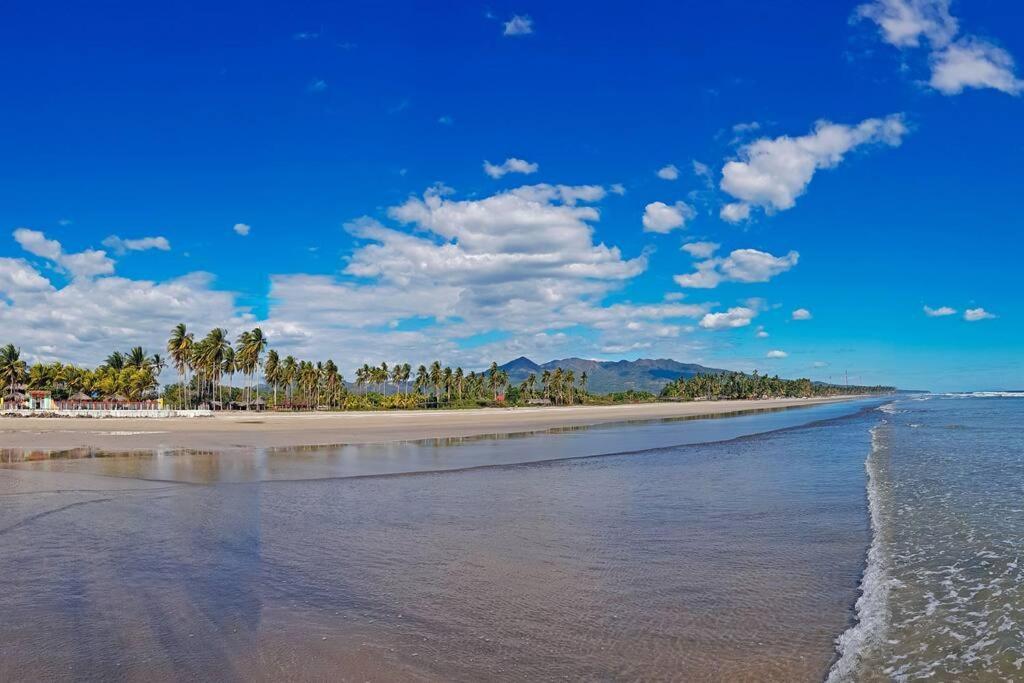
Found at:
(878, 142)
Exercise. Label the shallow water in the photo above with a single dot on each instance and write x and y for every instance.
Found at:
(736, 560)
(428, 455)
(944, 593)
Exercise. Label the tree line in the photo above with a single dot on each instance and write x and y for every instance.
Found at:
(132, 374)
(738, 385)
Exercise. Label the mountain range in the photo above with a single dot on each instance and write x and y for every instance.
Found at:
(643, 374)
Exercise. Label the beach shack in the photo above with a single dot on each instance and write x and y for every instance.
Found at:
(14, 400)
(40, 400)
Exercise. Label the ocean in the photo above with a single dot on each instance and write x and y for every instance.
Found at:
(875, 540)
(942, 592)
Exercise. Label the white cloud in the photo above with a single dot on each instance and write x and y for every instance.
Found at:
(761, 332)
(739, 316)
(751, 265)
(242, 229)
(903, 22)
(939, 312)
(976, 314)
(973, 63)
(776, 353)
(120, 246)
(701, 250)
(617, 188)
(736, 212)
(772, 173)
(84, 264)
(662, 218)
(669, 172)
(801, 314)
(742, 265)
(819, 364)
(317, 85)
(746, 127)
(523, 265)
(510, 165)
(967, 62)
(86, 319)
(519, 25)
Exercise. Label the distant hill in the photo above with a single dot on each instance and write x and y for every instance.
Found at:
(644, 374)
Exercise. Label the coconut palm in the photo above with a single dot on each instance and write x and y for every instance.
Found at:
(12, 367)
(115, 361)
(272, 371)
(436, 375)
(289, 373)
(228, 366)
(422, 379)
(252, 344)
(179, 346)
(211, 356)
(136, 359)
(396, 376)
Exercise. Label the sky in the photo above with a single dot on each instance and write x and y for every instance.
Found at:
(812, 189)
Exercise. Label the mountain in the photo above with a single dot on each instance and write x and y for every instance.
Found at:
(643, 374)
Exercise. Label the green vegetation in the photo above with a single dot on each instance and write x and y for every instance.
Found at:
(737, 385)
(132, 375)
(207, 367)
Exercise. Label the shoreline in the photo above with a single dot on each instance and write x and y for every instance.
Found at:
(239, 431)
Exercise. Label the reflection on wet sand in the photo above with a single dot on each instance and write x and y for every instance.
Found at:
(424, 455)
(719, 561)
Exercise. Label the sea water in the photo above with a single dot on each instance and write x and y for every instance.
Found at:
(942, 592)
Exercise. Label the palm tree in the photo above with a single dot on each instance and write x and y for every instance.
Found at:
(436, 375)
(289, 372)
(422, 379)
(254, 346)
(136, 359)
(179, 346)
(459, 381)
(406, 372)
(396, 376)
(214, 347)
(12, 367)
(272, 371)
(228, 366)
(584, 378)
(115, 361)
(493, 379)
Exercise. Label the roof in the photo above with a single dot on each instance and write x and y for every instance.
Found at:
(80, 396)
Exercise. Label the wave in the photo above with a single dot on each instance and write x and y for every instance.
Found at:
(984, 394)
(873, 604)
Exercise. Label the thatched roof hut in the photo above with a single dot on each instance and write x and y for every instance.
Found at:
(116, 398)
(80, 397)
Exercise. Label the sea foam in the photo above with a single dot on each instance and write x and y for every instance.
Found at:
(873, 604)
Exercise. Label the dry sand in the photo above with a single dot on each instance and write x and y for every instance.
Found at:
(246, 430)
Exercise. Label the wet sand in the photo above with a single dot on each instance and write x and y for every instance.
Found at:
(732, 559)
(280, 430)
